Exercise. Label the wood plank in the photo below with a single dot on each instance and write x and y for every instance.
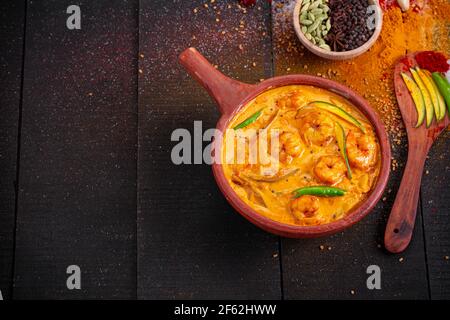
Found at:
(191, 243)
(12, 17)
(340, 272)
(312, 273)
(77, 196)
(435, 204)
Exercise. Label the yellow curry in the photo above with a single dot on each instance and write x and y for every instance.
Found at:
(314, 138)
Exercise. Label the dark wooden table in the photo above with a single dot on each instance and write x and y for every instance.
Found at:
(86, 176)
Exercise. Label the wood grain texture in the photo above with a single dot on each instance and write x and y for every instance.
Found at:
(436, 208)
(312, 273)
(191, 243)
(80, 163)
(77, 187)
(339, 270)
(12, 17)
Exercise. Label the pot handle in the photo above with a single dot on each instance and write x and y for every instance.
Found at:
(227, 92)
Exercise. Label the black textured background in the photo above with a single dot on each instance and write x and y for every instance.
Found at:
(86, 177)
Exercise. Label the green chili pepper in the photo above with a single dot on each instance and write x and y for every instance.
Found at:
(443, 86)
(321, 191)
(342, 143)
(249, 120)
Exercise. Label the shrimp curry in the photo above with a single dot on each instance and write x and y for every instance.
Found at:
(326, 155)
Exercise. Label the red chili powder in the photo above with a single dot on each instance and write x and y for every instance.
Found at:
(388, 4)
(406, 64)
(248, 2)
(432, 61)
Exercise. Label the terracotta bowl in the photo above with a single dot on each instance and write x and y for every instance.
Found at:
(332, 54)
(231, 95)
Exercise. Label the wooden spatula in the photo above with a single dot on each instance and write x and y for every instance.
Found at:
(400, 225)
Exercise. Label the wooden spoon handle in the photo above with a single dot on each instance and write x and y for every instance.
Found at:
(401, 221)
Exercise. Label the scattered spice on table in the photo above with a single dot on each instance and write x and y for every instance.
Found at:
(248, 2)
(402, 32)
(195, 25)
(370, 74)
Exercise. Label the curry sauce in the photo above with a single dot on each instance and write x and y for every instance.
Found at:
(305, 152)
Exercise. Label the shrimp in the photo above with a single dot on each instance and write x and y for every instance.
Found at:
(291, 144)
(292, 101)
(305, 207)
(361, 150)
(330, 169)
(317, 128)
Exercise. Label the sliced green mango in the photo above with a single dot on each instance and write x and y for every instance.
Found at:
(338, 112)
(417, 97)
(429, 110)
(443, 86)
(431, 91)
(440, 97)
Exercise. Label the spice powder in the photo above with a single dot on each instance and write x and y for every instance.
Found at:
(425, 26)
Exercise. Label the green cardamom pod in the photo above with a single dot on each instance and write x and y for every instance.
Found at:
(305, 7)
(321, 16)
(315, 4)
(314, 25)
(325, 47)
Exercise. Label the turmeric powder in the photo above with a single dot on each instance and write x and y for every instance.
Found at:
(425, 26)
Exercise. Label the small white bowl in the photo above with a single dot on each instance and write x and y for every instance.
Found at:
(333, 55)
